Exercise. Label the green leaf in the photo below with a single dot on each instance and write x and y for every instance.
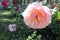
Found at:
(58, 15)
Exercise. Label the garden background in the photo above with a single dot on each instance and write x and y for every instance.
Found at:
(11, 16)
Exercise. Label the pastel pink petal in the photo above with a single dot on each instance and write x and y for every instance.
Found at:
(37, 16)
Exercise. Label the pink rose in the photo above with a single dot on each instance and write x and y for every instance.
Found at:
(37, 16)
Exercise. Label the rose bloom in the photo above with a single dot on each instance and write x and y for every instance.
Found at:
(37, 16)
(4, 3)
(12, 27)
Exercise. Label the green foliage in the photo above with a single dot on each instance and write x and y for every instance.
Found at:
(23, 32)
(58, 15)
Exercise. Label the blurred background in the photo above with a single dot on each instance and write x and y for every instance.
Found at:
(12, 26)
